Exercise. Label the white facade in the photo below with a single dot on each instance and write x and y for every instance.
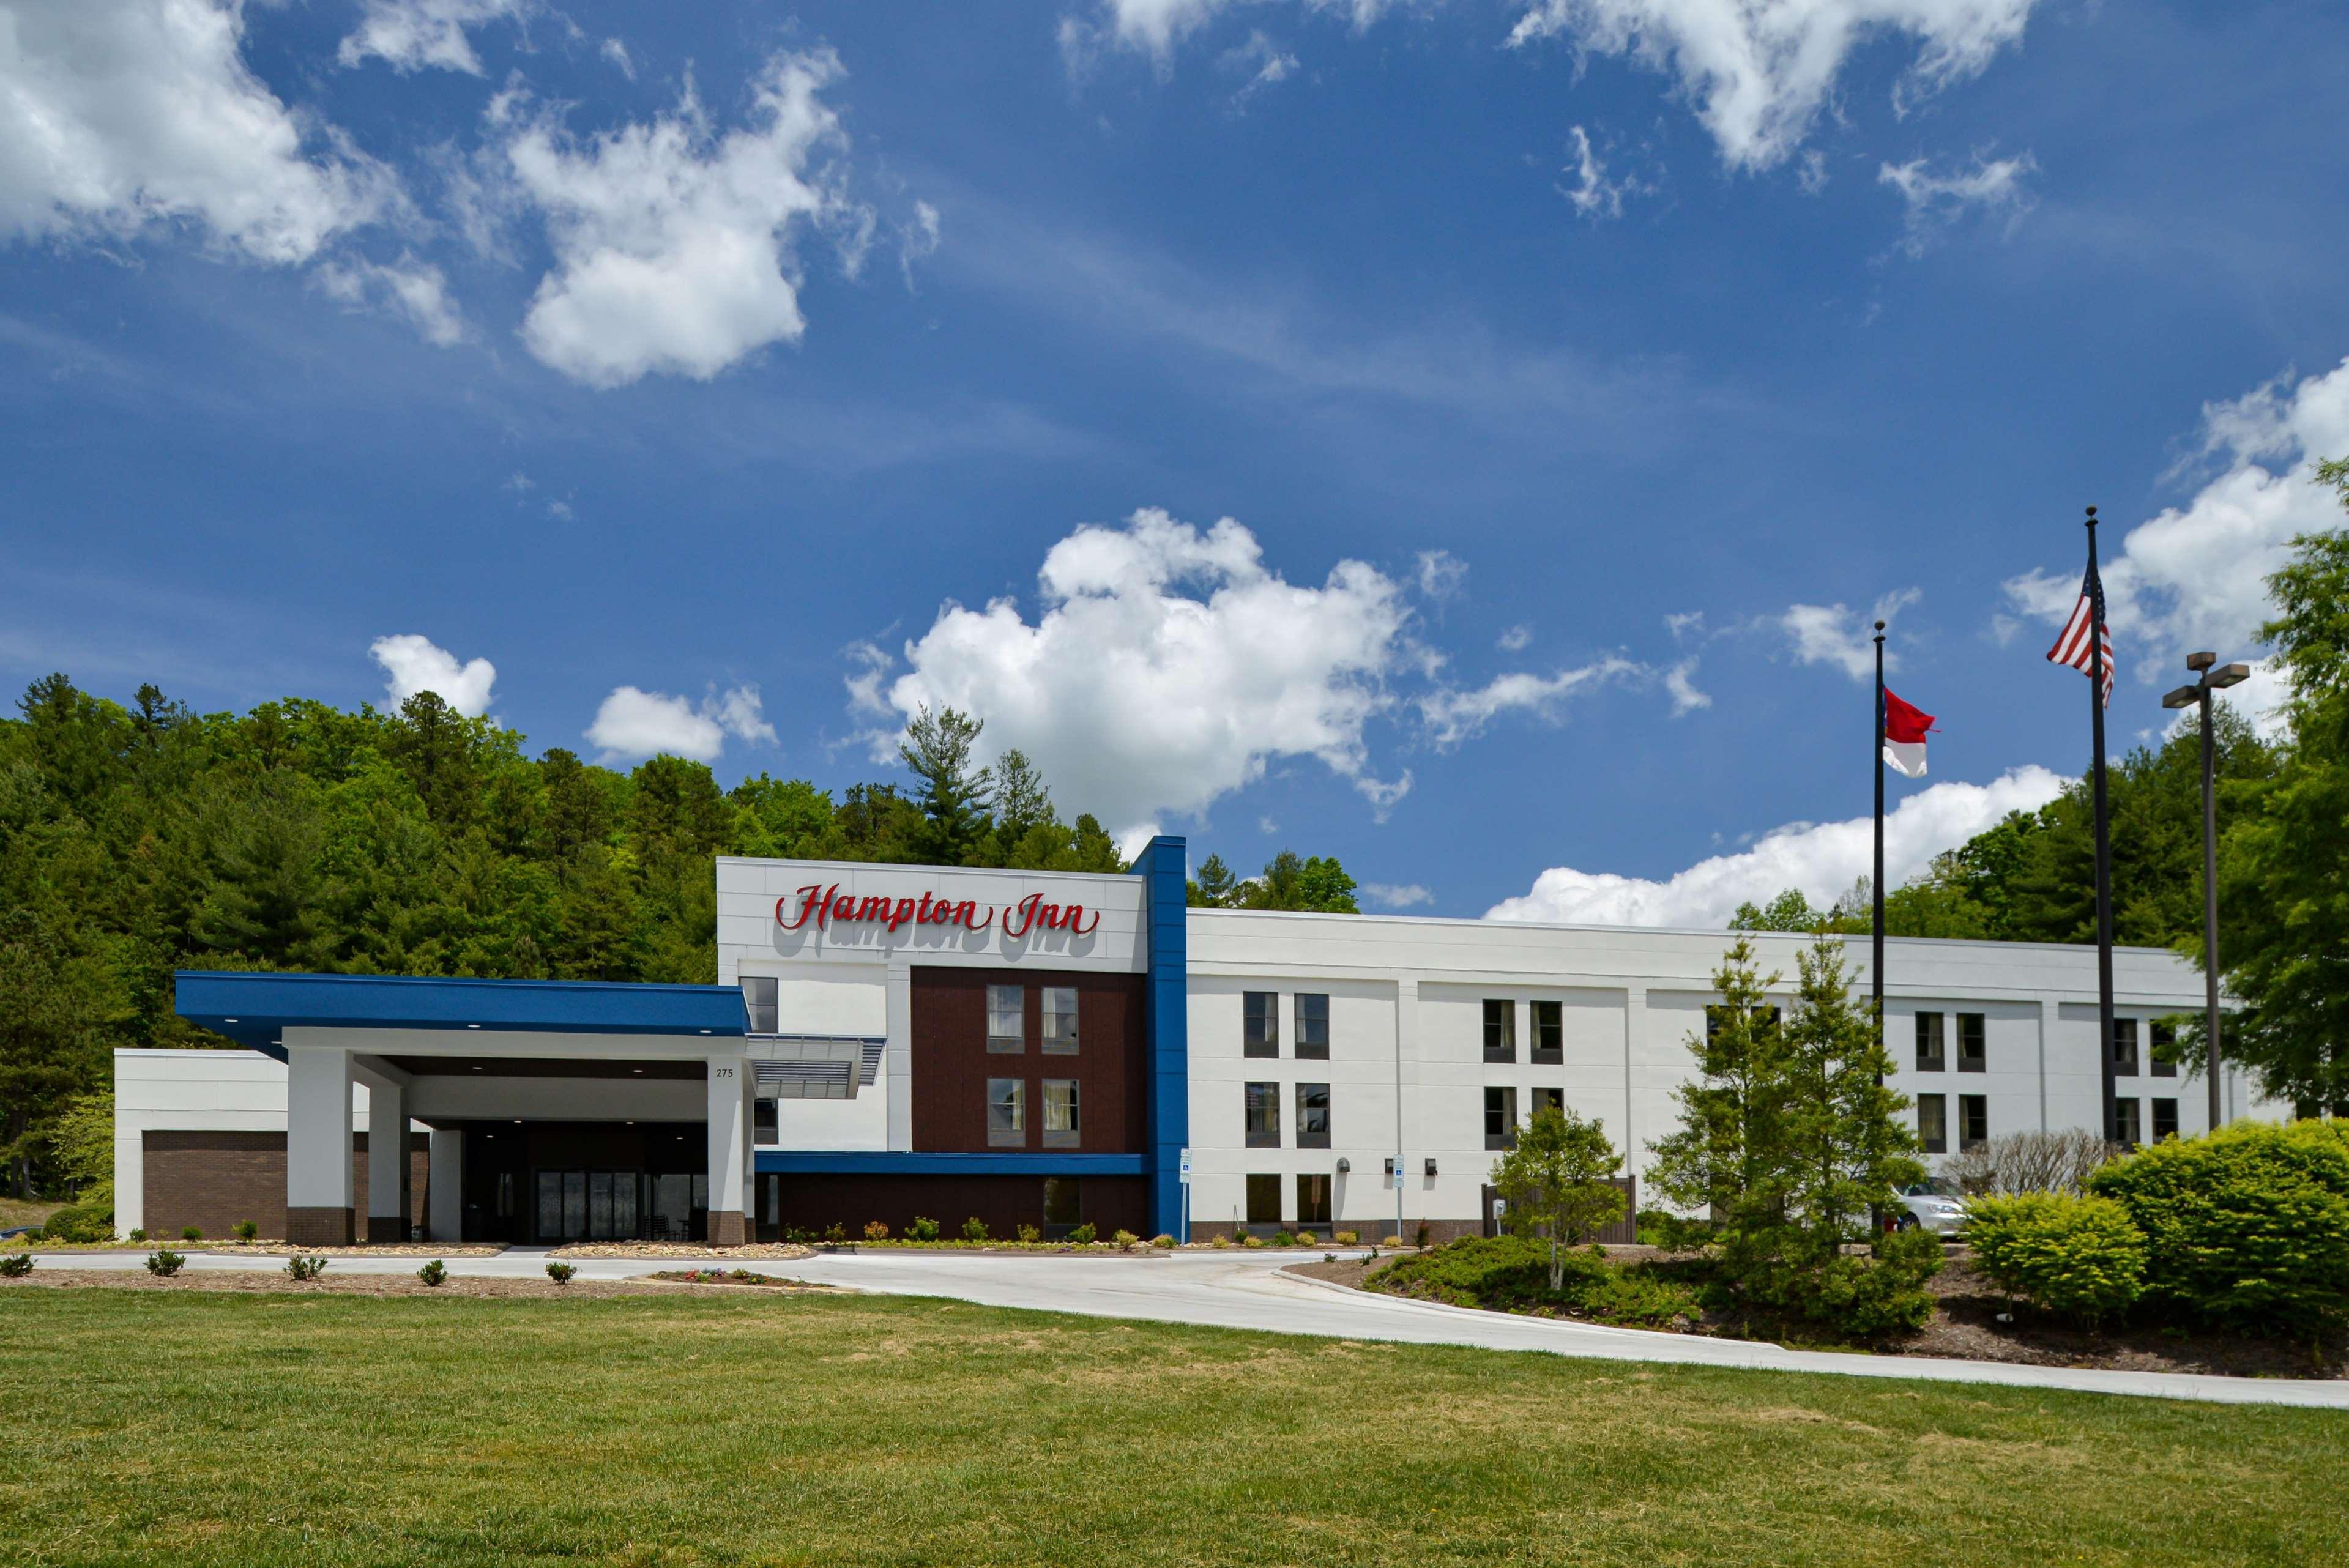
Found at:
(1407, 1073)
(854, 977)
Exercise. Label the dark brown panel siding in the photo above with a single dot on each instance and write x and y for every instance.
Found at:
(1110, 1203)
(212, 1179)
(951, 1064)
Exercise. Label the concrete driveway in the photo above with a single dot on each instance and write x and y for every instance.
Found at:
(1247, 1290)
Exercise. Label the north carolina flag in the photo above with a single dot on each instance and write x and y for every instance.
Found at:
(1904, 734)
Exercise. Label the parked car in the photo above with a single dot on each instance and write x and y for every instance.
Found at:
(1931, 1205)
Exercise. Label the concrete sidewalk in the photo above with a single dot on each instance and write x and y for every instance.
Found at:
(1248, 1291)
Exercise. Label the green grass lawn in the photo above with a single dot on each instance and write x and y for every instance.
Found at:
(192, 1428)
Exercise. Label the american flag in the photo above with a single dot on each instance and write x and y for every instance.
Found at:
(2072, 646)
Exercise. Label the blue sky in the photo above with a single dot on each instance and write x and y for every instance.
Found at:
(1578, 377)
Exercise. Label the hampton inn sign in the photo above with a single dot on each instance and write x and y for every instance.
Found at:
(1032, 912)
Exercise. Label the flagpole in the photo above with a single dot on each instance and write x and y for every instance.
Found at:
(1876, 953)
(2104, 844)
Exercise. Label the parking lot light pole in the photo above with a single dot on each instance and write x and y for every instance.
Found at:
(2199, 694)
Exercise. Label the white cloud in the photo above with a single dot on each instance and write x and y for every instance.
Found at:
(416, 663)
(1832, 634)
(1759, 72)
(1593, 194)
(1514, 640)
(1442, 574)
(1167, 667)
(1935, 201)
(418, 292)
(1680, 681)
(1264, 63)
(1682, 626)
(1812, 176)
(635, 723)
(672, 243)
(916, 239)
(1453, 715)
(120, 115)
(616, 53)
(1822, 859)
(2195, 576)
(1396, 896)
(412, 34)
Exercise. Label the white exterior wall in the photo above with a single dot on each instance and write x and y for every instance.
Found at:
(1406, 1007)
(856, 978)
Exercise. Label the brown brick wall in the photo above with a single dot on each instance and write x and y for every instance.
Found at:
(212, 1179)
(952, 1064)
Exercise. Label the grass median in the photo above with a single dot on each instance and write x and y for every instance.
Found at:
(202, 1428)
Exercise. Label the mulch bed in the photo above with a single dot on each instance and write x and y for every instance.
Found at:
(760, 1252)
(332, 1283)
(745, 1277)
(1966, 1326)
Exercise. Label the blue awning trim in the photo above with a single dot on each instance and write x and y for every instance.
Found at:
(255, 1008)
(878, 1162)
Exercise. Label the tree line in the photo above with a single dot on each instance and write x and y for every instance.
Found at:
(2284, 853)
(137, 840)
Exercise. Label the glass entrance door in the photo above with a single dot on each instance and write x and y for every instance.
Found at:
(587, 1205)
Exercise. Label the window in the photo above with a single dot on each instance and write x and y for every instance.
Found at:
(1930, 1043)
(1549, 1099)
(2126, 1127)
(2164, 1120)
(764, 1128)
(1549, 1033)
(1500, 1031)
(1061, 1206)
(2124, 1048)
(1973, 1047)
(1264, 1115)
(1059, 1113)
(1933, 1122)
(759, 1000)
(1500, 1119)
(1007, 1113)
(1006, 1019)
(1260, 1024)
(1060, 1020)
(1973, 1120)
(1313, 1116)
(1313, 1199)
(2164, 1058)
(1312, 1027)
(1263, 1200)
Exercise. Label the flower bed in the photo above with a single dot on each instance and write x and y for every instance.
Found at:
(731, 1276)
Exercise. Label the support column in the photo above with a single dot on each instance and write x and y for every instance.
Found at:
(729, 1150)
(387, 1176)
(318, 1146)
(444, 1189)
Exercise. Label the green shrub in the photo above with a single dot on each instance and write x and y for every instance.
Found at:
(1283, 1239)
(1251, 1241)
(2245, 1228)
(835, 1231)
(1347, 1238)
(302, 1267)
(923, 1230)
(433, 1273)
(191, 1232)
(1030, 1234)
(16, 1265)
(1511, 1273)
(560, 1272)
(80, 1222)
(1124, 1241)
(138, 1236)
(164, 1261)
(2081, 1258)
(244, 1230)
(974, 1229)
(1161, 1239)
(1083, 1236)
(874, 1231)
